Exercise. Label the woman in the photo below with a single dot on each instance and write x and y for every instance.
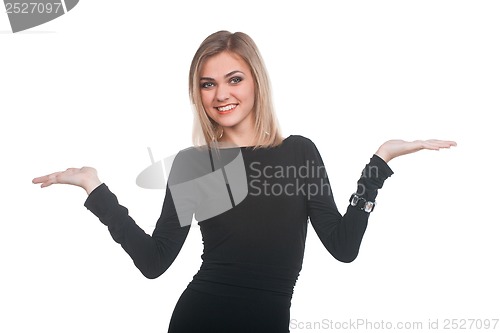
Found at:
(253, 231)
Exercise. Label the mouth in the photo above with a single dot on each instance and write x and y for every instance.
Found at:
(226, 108)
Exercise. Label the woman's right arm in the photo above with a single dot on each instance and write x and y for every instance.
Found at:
(152, 254)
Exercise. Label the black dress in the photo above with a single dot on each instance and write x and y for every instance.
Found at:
(253, 251)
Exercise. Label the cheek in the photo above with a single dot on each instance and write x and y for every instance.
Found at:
(206, 100)
(246, 93)
(251, 93)
(251, 97)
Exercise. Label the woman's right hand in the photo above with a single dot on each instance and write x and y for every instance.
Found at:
(85, 178)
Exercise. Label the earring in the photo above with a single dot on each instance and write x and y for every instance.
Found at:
(221, 133)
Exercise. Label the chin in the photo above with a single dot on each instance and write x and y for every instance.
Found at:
(227, 122)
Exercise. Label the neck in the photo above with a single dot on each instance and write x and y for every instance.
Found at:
(241, 134)
(233, 137)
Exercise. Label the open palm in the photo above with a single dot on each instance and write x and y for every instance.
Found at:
(394, 148)
(85, 178)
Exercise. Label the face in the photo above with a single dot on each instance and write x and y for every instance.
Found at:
(228, 92)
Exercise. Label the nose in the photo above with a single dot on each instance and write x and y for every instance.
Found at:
(222, 94)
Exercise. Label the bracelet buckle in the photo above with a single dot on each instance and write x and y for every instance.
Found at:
(362, 203)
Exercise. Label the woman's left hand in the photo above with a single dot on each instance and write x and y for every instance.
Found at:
(394, 148)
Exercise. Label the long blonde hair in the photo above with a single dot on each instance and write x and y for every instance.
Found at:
(205, 130)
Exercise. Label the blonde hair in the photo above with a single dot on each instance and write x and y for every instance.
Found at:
(205, 130)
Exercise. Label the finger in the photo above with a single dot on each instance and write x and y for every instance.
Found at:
(41, 179)
(438, 144)
(443, 143)
(46, 180)
(430, 146)
(38, 180)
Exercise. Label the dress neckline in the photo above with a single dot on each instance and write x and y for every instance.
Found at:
(249, 147)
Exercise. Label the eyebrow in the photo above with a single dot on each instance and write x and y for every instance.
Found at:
(225, 76)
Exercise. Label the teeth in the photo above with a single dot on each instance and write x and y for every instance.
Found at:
(226, 108)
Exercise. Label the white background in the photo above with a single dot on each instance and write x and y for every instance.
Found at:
(102, 83)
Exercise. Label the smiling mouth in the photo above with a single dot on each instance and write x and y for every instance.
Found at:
(226, 108)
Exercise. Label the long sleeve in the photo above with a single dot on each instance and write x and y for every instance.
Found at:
(342, 235)
(151, 254)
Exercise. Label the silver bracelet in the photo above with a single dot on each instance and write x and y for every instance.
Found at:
(362, 203)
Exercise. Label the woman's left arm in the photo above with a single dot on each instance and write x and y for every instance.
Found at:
(342, 234)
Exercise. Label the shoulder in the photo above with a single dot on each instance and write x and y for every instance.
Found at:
(190, 163)
(305, 148)
(300, 141)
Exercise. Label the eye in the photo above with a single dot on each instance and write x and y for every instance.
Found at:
(206, 85)
(236, 79)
